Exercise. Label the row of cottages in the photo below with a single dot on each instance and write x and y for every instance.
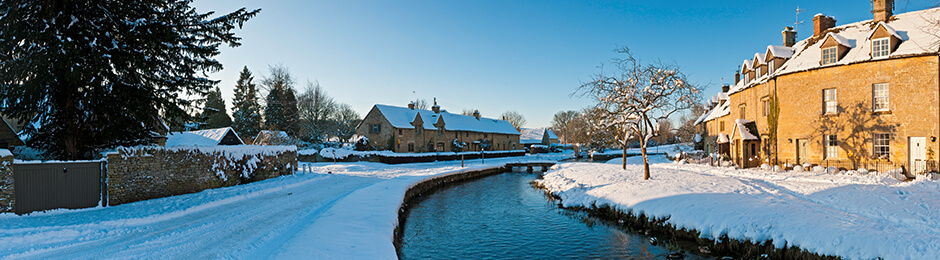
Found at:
(850, 96)
(542, 136)
(406, 129)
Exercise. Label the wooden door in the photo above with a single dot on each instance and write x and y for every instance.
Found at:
(802, 151)
(918, 154)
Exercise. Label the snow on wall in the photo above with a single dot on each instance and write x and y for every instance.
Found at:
(146, 172)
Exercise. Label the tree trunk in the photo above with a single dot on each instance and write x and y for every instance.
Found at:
(646, 163)
(624, 161)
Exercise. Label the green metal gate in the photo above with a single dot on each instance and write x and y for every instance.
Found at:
(54, 185)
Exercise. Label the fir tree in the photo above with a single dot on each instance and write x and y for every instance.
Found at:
(86, 75)
(214, 112)
(245, 108)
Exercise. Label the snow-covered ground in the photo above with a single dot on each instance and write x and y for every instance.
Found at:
(349, 214)
(858, 216)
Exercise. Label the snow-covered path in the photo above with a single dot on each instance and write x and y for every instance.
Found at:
(857, 216)
(348, 214)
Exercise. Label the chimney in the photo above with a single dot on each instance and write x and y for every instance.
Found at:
(411, 105)
(476, 113)
(436, 108)
(882, 9)
(789, 37)
(737, 77)
(725, 88)
(821, 23)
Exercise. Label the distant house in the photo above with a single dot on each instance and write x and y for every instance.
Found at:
(8, 136)
(543, 136)
(406, 129)
(267, 137)
(208, 137)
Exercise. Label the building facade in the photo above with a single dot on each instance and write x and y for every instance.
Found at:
(862, 95)
(410, 130)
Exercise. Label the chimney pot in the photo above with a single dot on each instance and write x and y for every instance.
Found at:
(411, 105)
(725, 88)
(882, 9)
(476, 113)
(821, 23)
(789, 37)
(436, 108)
(737, 77)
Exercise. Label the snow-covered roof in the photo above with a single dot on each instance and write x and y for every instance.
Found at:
(759, 59)
(531, 135)
(741, 127)
(401, 117)
(916, 30)
(746, 66)
(208, 137)
(780, 51)
(551, 134)
(716, 112)
(723, 138)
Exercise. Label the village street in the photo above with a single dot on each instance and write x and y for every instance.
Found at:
(350, 213)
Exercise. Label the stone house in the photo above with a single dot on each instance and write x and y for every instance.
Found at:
(543, 136)
(410, 130)
(849, 96)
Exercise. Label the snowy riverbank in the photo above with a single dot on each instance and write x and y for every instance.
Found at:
(826, 214)
(341, 211)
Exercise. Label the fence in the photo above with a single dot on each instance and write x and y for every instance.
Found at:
(54, 185)
(917, 167)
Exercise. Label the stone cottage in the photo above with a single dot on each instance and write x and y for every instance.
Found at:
(411, 130)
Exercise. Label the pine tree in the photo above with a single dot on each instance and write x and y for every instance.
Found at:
(87, 75)
(245, 108)
(214, 111)
(280, 114)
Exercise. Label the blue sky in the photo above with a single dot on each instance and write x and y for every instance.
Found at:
(497, 55)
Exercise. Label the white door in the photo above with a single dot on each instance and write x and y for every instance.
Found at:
(918, 154)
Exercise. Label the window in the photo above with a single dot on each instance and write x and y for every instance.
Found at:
(485, 135)
(882, 145)
(411, 147)
(741, 115)
(399, 132)
(880, 97)
(721, 126)
(746, 74)
(829, 55)
(770, 66)
(375, 128)
(418, 131)
(440, 131)
(880, 47)
(440, 146)
(832, 146)
(830, 103)
(766, 105)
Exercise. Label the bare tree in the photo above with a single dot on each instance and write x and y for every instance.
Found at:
(561, 123)
(343, 122)
(514, 118)
(469, 111)
(421, 104)
(638, 96)
(315, 108)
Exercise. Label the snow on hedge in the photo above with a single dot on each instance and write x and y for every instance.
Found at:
(244, 158)
(816, 211)
(343, 153)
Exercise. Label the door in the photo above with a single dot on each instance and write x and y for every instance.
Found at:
(802, 151)
(918, 154)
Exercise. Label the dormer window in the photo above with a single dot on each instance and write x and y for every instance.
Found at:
(880, 47)
(830, 55)
(770, 66)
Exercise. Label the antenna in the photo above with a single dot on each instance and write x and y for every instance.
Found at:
(797, 22)
(413, 97)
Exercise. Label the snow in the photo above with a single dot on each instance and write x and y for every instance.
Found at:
(531, 135)
(342, 153)
(741, 128)
(723, 138)
(718, 111)
(887, 27)
(859, 216)
(910, 28)
(5, 153)
(780, 51)
(325, 211)
(402, 117)
(208, 137)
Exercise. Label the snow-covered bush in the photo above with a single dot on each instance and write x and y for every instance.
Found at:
(726, 164)
(457, 145)
(897, 174)
(807, 166)
(362, 144)
(862, 171)
(832, 170)
(765, 167)
(777, 168)
(798, 168)
(819, 169)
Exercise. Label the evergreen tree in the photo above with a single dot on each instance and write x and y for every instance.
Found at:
(280, 114)
(86, 75)
(214, 112)
(245, 108)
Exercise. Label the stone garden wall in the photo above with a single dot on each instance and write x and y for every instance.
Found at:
(6, 181)
(141, 173)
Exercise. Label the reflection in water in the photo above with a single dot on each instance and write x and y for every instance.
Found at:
(504, 217)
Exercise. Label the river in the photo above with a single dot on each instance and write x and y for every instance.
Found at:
(504, 217)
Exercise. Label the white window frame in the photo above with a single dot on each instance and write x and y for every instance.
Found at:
(830, 101)
(881, 145)
(830, 55)
(880, 47)
(880, 97)
(832, 146)
(770, 66)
